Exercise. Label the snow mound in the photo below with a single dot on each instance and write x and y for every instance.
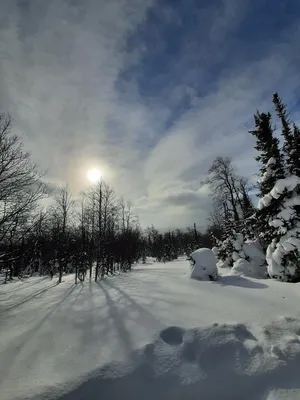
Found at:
(246, 268)
(204, 266)
(215, 250)
(254, 252)
(275, 257)
(186, 364)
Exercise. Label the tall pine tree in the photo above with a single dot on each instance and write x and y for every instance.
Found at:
(272, 169)
(279, 195)
(287, 132)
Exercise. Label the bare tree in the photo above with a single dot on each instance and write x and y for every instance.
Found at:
(230, 192)
(21, 188)
(20, 183)
(221, 179)
(62, 213)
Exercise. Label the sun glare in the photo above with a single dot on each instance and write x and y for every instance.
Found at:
(94, 175)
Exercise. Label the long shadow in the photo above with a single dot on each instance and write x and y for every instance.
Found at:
(143, 269)
(25, 285)
(80, 290)
(117, 319)
(64, 297)
(27, 298)
(28, 336)
(135, 305)
(88, 333)
(239, 281)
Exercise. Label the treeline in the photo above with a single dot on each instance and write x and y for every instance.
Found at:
(96, 234)
(169, 245)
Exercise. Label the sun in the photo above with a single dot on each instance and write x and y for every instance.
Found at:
(94, 175)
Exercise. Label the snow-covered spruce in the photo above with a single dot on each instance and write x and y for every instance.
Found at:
(283, 253)
(269, 171)
(242, 267)
(230, 250)
(203, 265)
(245, 257)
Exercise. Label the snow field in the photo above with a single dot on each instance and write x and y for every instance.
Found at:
(150, 333)
(219, 362)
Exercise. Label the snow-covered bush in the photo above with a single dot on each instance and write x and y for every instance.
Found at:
(283, 253)
(284, 259)
(254, 252)
(203, 265)
(230, 250)
(246, 258)
(215, 250)
(249, 269)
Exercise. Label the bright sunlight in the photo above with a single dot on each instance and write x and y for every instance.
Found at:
(94, 175)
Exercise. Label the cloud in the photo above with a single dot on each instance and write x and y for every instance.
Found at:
(61, 61)
(149, 92)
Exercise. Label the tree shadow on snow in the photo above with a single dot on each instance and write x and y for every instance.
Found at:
(239, 281)
(120, 311)
(117, 318)
(30, 335)
(27, 298)
(132, 303)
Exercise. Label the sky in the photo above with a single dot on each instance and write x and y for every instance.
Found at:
(149, 92)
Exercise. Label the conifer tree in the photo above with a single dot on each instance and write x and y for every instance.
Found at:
(279, 195)
(287, 133)
(270, 156)
(271, 170)
(296, 150)
(291, 146)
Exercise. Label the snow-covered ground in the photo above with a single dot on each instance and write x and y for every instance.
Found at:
(150, 334)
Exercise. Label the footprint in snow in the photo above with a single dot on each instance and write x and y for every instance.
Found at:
(172, 335)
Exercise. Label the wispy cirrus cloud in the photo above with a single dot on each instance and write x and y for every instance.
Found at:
(149, 91)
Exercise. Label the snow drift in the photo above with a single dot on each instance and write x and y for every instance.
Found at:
(218, 362)
(131, 335)
(204, 266)
(254, 264)
(246, 268)
(254, 252)
(244, 257)
(276, 252)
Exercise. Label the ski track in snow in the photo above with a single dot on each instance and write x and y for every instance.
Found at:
(150, 333)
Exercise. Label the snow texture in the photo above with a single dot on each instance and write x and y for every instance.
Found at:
(215, 250)
(205, 265)
(254, 252)
(249, 250)
(222, 264)
(150, 334)
(287, 184)
(284, 252)
(264, 201)
(286, 214)
(276, 223)
(244, 268)
(269, 170)
(238, 242)
(275, 255)
(181, 363)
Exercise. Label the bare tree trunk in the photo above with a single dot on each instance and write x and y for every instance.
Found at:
(60, 271)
